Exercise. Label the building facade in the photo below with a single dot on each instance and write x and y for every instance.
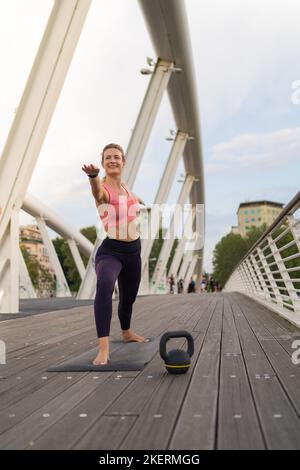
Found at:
(31, 239)
(255, 213)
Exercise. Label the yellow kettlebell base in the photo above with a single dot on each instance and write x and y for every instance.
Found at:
(176, 367)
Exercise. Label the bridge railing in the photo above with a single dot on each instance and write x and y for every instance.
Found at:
(270, 271)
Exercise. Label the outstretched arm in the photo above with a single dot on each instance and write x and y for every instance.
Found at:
(96, 185)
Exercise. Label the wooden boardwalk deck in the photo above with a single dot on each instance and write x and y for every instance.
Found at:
(243, 391)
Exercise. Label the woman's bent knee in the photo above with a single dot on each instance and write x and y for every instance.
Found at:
(105, 284)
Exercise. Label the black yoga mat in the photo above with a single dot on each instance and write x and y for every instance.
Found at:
(129, 356)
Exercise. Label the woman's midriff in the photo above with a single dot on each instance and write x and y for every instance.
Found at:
(131, 228)
(119, 216)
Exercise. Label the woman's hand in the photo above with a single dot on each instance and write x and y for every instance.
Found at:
(91, 169)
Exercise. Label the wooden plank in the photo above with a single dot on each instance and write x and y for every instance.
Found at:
(32, 398)
(279, 421)
(21, 409)
(23, 433)
(195, 427)
(254, 356)
(138, 394)
(43, 356)
(238, 425)
(153, 428)
(72, 427)
(279, 326)
(33, 383)
(152, 409)
(285, 336)
(107, 433)
(15, 366)
(279, 355)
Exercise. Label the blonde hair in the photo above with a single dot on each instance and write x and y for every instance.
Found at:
(112, 146)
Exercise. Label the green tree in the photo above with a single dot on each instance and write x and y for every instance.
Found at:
(155, 252)
(174, 246)
(66, 259)
(226, 255)
(229, 251)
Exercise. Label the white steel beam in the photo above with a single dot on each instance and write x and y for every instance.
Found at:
(32, 120)
(169, 29)
(145, 120)
(184, 267)
(36, 208)
(181, 245)
(9, 269)
(76, 257)
(172, 229)
(162, 193)
(62, 288)
(87, 287)
(27, 290)
(134, 154)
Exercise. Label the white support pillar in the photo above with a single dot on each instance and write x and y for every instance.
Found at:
(144, 284)
(62, 288)
(184, 267)
(189, 263)
(181, 245)
(162, 193)
(134, 154)
(9, 266)
(145, 120)
(32, 120)
(76, 256)
(161, 197)
(88, 286)
(172, 229)
(27, 290)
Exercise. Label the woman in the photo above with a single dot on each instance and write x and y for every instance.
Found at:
(119, 255)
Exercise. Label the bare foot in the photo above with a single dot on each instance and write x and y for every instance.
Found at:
(101, 359)
(129, 336)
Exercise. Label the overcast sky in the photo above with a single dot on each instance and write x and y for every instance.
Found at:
(246, 57)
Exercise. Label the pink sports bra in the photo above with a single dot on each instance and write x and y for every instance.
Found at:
(119, 210)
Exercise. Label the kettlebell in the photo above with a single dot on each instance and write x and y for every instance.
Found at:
(177, 361)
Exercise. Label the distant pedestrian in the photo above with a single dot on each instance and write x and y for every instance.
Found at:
(217, 286)
(171, 284)
(210, 286)
(191, 286)
(180, 286)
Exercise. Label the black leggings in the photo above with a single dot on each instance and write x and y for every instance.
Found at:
(116, 259)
